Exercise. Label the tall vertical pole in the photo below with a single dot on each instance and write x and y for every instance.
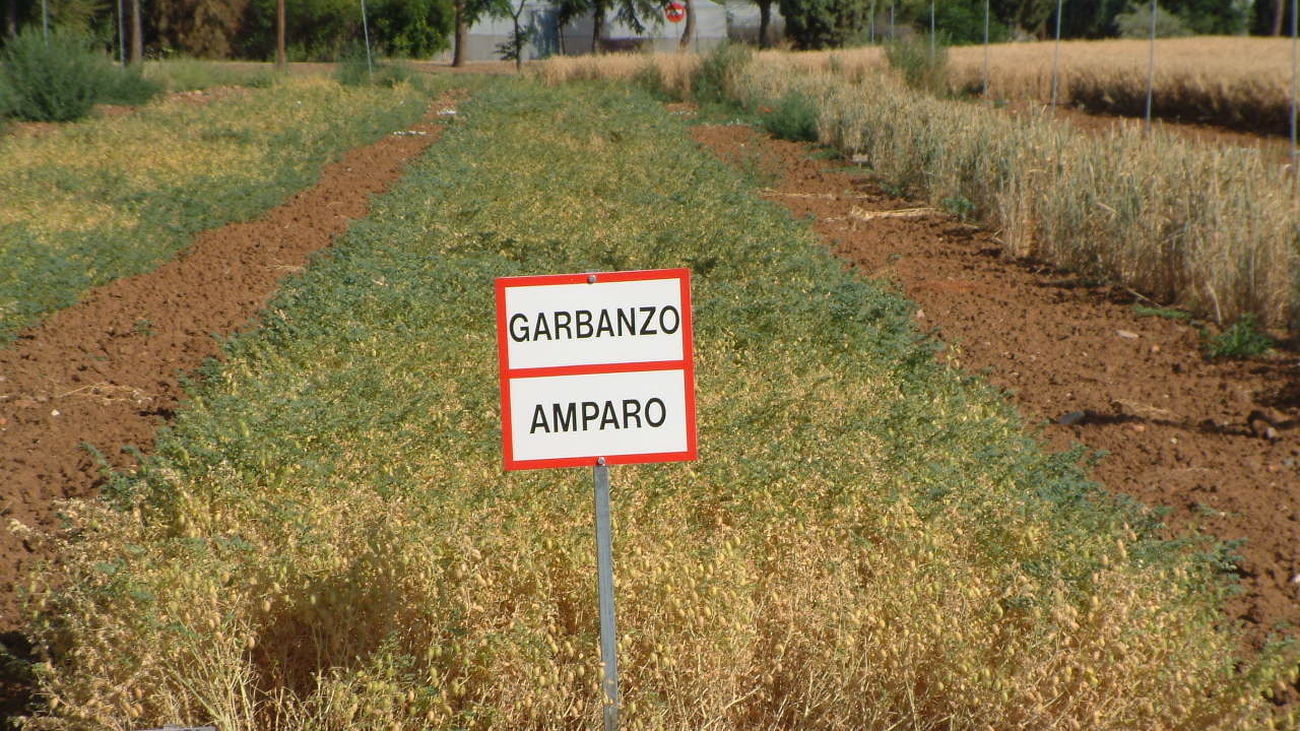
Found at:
(871, 26)
(365, 34)
(1151, 68)
(45, 21)
(605, 583)
(281, 62)
(1056, 56)
(891, 20)
(985, 93)
(932, 29)
(1295, 66)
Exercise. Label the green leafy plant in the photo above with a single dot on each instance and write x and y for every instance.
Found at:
(716, 79)
(56, 81)
(1243, 339)
(792, 117)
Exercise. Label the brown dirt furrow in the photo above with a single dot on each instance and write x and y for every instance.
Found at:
(1216, 442)
(105, 372)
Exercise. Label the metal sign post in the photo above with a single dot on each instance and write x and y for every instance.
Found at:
(605, 585)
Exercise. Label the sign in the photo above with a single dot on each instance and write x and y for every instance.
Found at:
(596, 365)
(675, 12)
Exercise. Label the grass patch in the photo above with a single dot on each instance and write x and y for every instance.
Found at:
(112, 197)
(193, 74)
(1167, 313)
(325, 538)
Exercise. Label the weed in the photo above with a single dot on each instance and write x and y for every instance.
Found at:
(959, 206)
(1243, 339)
(1167, 313)
(716, 79)
(924, 65)
(191, 74)
(126, 87)
(792, 117)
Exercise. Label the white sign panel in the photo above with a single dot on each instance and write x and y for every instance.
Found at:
(596, 365)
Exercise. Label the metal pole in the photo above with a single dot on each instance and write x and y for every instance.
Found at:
(1295, 63)
(871, 32)
(1056, 57)
(605, 583)
(931, 28)
(891, 20)
(121, 34)
(986, 49)
(1151, 67)
(365, 33)
(45, 21)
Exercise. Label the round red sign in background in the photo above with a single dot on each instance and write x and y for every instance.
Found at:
(675, 12)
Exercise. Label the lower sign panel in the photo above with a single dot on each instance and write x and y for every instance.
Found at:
(559, 420)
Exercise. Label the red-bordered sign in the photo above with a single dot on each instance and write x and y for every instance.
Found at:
(675, 12)
(596, 365)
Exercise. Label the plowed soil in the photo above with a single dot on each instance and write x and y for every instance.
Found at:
(105, 372)
(1214, 441)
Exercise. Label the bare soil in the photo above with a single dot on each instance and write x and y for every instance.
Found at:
(1216, 442)
(106, 372)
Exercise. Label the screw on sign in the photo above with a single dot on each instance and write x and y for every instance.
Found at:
(675, 12)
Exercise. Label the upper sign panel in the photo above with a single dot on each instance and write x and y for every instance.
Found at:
(551, 325)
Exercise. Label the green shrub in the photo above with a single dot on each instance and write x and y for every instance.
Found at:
(354, 68)
(716, 78)
(792, 117)
(924, 67)
(650, 78)
(54, 82)
(1243, 339)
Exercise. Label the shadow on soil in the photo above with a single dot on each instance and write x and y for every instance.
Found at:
(17, 683)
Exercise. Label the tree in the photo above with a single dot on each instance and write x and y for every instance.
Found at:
(327, 29)
(814, 24)
(469, 12)
(513, 48)
(688, 33)
(137, 35)
(203, 28)
(764, 23)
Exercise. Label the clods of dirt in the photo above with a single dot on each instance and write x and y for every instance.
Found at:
(1217, 442)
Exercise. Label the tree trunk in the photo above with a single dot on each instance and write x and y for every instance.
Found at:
(462, 35)
(137, 34)
(281, 58)
(1279, 13)
(597, 25)
(11, 18)
(764, 23)
(518, 40)
(688, 32)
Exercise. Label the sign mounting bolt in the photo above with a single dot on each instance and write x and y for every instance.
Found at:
(591, 279)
